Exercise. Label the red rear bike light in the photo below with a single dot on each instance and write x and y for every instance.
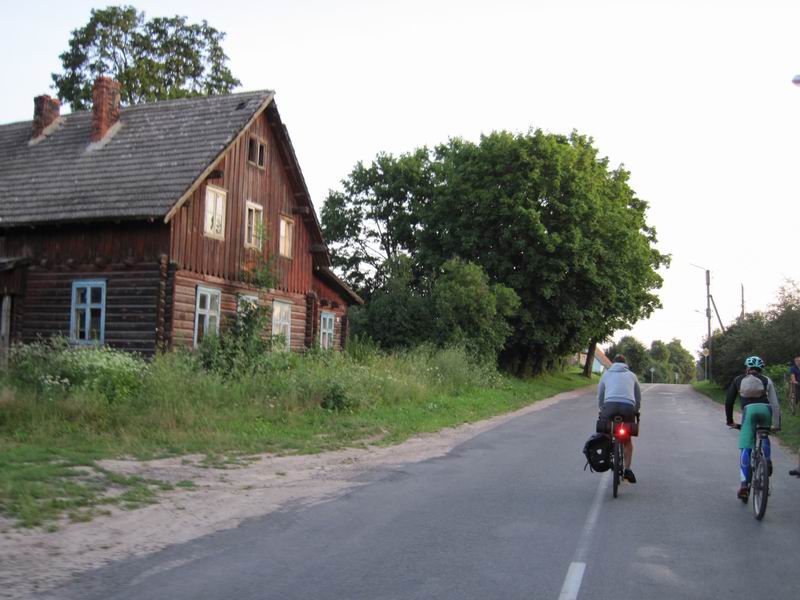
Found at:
(622, 432)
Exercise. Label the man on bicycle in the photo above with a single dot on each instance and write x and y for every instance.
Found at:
(618, 394)
(760, 407)
(794, 381)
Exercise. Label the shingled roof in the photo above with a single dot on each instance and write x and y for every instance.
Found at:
(139, 171)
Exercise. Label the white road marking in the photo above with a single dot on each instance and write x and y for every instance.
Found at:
(572, 582)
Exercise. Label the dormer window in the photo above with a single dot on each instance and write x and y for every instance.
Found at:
(257, 152)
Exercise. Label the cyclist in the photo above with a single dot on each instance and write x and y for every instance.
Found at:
(794, 380)
(618, 394)
(759, 407)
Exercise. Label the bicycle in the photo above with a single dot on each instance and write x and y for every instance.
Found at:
(620, 433)
(758, 486)
(792, 401)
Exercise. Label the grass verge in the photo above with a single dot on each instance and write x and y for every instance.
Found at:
(51, 439)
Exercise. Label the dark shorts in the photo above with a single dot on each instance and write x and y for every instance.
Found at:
(625, 410)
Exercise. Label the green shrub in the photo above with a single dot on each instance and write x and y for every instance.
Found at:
(53, 368)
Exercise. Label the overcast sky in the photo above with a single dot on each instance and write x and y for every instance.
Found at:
(693, 97)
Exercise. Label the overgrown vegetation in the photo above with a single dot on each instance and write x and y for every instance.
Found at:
(63, 409)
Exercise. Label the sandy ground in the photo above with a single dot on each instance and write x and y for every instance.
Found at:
(34, 561)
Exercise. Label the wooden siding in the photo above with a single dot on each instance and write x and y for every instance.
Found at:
(81, 244)
(244, 182)
(185, 296)
(132, 295)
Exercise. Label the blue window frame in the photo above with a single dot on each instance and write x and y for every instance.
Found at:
(87, 322)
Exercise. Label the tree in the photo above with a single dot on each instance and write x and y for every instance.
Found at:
(469, 310)
(681, 361)
(159, 59)
(544, 216)
(375, 219)
(634, 352)
(540, 213)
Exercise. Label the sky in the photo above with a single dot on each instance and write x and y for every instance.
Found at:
(693, 97)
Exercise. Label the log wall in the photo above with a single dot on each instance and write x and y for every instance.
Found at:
(132, 295)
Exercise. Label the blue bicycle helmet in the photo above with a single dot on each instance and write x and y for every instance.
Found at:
(753, 362)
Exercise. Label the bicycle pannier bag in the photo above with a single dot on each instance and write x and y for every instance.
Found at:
(752, 387)
(597, 451)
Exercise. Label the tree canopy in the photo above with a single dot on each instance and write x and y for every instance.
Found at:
(540, 214)
(666, 359)
(157, 59)
(773, 335)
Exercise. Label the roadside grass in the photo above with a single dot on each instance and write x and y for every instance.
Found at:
(51, 440)
(790, 424)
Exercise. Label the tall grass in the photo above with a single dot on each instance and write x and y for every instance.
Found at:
(62, 409)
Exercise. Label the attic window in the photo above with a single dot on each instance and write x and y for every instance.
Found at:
(257, 152)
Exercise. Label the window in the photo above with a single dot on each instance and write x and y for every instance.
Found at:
(87, 324)
(285, 247)
(254, 225)
(326, 330)
(282, 321)
(257, 152)
(215, 212)
(206, 313)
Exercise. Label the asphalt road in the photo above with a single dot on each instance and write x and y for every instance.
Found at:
(509, 514)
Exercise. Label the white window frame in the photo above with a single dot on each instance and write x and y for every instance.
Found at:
(214, 214)
(206, 313)
(286, 237)
(253, 233)
(87, 307)
(327, 334)
(282, 321)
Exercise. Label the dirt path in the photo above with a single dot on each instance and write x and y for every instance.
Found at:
(33, 561)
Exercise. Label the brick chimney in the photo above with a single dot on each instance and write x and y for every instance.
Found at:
(45, 111)
(105, 106)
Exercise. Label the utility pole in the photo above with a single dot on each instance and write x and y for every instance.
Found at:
(707, 350)
(742, 302)
(708, 316)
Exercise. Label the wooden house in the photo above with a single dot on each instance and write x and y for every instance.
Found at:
(144, 227)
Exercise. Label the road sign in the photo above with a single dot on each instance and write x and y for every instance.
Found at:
(706, 351)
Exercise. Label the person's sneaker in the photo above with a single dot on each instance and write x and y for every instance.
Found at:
(795, 472)
(743, 494)
(629, 476)
(769, 467)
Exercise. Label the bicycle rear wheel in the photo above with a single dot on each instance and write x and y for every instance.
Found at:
(759, 486)
(618, 469)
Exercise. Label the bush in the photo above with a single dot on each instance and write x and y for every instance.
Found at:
(240, 348)
(53, 368)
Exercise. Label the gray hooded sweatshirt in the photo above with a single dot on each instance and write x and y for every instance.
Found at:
(619, 384)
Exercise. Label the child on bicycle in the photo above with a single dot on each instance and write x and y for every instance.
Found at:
(760, 407)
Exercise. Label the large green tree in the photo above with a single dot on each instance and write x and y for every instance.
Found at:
(539, 213)
(374, 220)
(543, 215)
(156, 59)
